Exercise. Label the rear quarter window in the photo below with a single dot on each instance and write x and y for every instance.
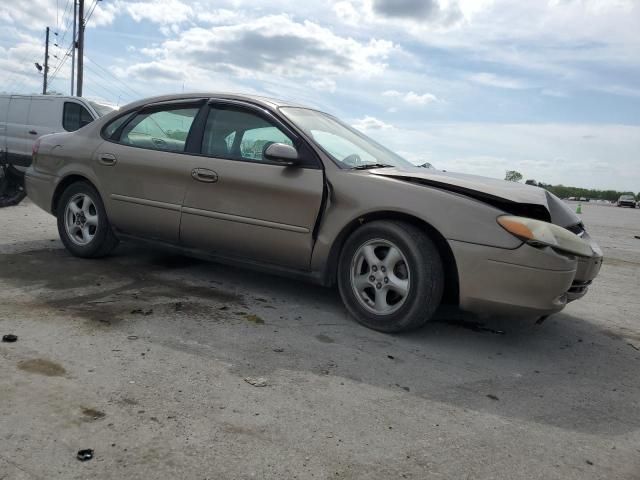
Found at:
(75, 116)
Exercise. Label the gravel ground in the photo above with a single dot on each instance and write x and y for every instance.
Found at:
(143, 357)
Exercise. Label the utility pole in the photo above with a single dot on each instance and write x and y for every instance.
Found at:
(74, 46)
(46, 63)
(80, 46)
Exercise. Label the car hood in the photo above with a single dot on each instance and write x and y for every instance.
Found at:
(512, 197)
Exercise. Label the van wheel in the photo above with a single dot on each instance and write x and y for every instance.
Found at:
(390, 276)
(82, 222)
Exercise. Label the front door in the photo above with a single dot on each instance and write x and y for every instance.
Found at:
(240, 204)
(144, 171)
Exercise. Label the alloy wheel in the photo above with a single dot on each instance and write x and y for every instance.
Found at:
(81, 219)
(380, 276)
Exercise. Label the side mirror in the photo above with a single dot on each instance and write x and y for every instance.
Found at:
(281, 153)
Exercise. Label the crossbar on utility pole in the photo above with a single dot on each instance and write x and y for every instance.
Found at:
(80, 46)
(73, 46)
(46, 63)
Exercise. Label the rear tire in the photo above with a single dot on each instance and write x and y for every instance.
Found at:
(390, 276)
(83, 225)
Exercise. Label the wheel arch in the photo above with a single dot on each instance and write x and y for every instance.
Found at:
(451, 287)
(62, 186)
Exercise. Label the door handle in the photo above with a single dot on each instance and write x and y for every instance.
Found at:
(107, 159)
(33, 132)
(204, 175)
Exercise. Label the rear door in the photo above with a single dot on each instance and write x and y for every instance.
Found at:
(45, 116)
(240, 204)
(19, 140)
(4, 107)
(144, 170)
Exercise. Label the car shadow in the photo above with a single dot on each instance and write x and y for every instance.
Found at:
(569, 372)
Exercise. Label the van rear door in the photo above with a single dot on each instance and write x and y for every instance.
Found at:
(45, 116)
(19, 141)
(4, 107)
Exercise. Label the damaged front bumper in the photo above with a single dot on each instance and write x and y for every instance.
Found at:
(526, 281)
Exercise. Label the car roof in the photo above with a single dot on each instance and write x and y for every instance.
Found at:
(258, 99)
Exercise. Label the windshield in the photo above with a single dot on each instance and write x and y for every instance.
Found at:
(101, 108)
(348, 147)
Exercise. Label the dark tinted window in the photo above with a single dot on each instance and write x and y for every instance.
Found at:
(160, 130)
(75, 116)
(239, 134)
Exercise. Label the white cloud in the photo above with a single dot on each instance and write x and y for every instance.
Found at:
(323, 84)
(158, 11)
(498, 81)
(272, 46)
(371, 123)
(419, 99)
(411, 97)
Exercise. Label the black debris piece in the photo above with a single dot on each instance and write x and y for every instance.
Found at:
(85, 455)
(541, 319)
(9, 338)
(493, 397)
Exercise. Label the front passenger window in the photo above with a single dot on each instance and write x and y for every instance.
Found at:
(239, 134)
(160, 130)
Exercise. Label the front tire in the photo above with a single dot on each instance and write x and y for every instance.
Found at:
(83, 225)
(390, 276)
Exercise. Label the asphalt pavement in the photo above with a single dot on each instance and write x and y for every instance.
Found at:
(171, 367)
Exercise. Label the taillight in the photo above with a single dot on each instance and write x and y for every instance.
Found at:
(34, 150)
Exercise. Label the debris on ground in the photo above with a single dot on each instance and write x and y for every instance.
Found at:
(474, 326)
(254, 319)
(278, 350)
(9, 338)
(493, 397)
(84, 455)
(140, 311)
(633, 346)
(178, 306)
(132, 337)
(589, 462)
(391, 357)
(541, 319)
(92, 413)
(256, 381)
(637, 236)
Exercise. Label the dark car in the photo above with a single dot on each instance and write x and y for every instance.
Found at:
(627, 201)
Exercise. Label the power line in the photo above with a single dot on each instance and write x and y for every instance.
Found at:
(112, 89)
(61, 62)
(131, 89)
(93, 7)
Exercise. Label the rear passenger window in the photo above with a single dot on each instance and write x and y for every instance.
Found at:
(75, 116)
(160, 130)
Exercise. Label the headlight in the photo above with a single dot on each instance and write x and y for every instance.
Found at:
(536, 232)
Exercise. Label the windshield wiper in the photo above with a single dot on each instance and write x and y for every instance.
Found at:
(367, 166)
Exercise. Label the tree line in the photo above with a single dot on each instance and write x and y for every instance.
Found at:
(563, 191)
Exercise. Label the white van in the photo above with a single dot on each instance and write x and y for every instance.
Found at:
(24, 118)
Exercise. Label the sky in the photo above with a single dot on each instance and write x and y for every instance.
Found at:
(550, 88)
